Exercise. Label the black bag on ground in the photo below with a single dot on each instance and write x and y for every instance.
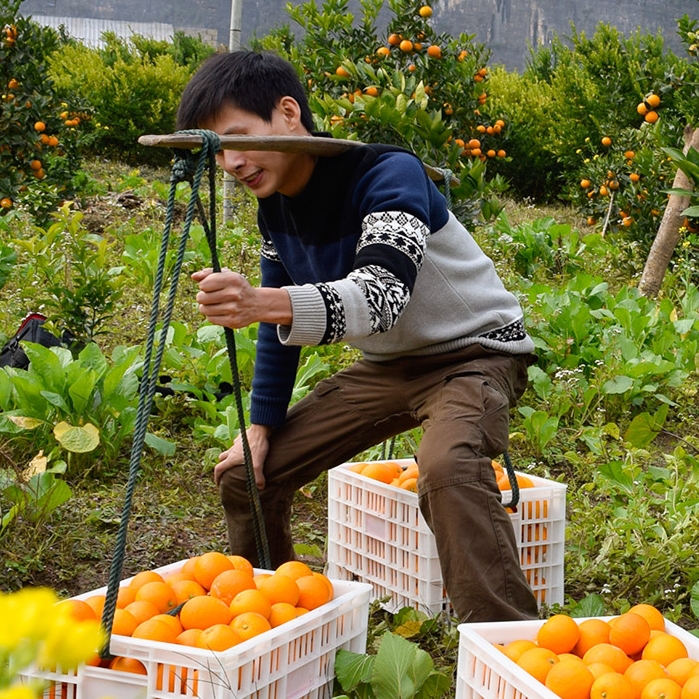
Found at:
(31, 329)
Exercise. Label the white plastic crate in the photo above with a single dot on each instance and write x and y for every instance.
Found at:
(484, 672)
(377, 534)
(292, 661)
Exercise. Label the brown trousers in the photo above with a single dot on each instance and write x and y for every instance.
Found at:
(462, 401)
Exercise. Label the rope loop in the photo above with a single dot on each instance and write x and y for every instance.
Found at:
(184, 166)
(447, 176)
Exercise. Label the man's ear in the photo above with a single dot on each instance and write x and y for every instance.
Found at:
(291, 112)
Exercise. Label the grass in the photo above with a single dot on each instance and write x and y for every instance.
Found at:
(614, 530)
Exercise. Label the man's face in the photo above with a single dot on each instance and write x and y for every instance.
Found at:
(263, 172)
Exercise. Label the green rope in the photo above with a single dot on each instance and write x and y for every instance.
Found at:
(182, 169)
(512, 477)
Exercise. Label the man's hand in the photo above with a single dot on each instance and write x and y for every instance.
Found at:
(226, 298)
(258, 439)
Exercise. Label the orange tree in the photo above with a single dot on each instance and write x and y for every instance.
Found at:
(40, 133)
(624, 173)
(407, 85)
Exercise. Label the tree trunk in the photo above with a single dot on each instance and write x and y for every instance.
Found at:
(668, 233)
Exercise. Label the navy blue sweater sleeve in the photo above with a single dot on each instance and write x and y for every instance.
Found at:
(275, 364)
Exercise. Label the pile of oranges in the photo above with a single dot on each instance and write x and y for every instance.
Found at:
(392, 473)
(213, 601)
(630, 656)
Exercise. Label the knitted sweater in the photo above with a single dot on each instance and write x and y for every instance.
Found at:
(371, 256)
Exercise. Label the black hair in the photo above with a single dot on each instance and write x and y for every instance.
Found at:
(253, 81)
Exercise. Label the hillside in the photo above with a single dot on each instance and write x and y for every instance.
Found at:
(508, 27)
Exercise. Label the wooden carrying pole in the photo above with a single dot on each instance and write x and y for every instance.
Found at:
(313, 145)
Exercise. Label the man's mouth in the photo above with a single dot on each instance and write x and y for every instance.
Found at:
(251, 180)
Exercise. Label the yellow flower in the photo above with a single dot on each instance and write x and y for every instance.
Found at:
(70, 643)
(20, 691)
(25, 615)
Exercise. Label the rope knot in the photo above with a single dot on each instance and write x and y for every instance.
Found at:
(185, 164)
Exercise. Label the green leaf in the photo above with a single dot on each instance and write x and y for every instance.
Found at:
(694, 599)
(645, 427)
(614, 472)
(391, 677)
(619, 384)
(79, 440)
(162, 446)
(353, 669)
(81, 388)
(591, 605)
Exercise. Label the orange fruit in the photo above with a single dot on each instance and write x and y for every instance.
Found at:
(327, 581)
(280, 613)
(313, 592)
(159, 593)
(406, 46)
(189, 637)
(630, 632)
(172, 621)
(155, 630)
(342, 72)
(653, 616)
(209, 565)
(294, 569)
(538, 662)
(79, 609)
(125, 595)
(592, 632)
(434, 51)
(229, 583)
(425, 11)
(653, 101)
(570, 679)
(558, 633)
(609, 655)
(186, 589)
(394, 39)
(218, 637)
(124, 623)
(242, 563)
(599, 669)
(188, 568)
(39, 126)
(651, 117)
(97, 604)
(379, 471)
(514, 649)
(681, 669)
(142, 610)
(612, 685)
(664, 648)
(249, 624)
(145, 576)
(409, 484)
(123, 664)
(279, 588)
(662, 688)
(251, 601)
(691, 688)
(383, 51)
(641, 672)
(409, 473)
(202, 612)
(360, 465)
(606, 141)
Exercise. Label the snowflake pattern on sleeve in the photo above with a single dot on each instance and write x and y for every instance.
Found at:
(398, 230)
(269, 252)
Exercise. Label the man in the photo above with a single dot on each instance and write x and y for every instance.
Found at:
(360, 248)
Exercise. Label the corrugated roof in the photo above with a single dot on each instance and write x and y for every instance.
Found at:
(89, 31)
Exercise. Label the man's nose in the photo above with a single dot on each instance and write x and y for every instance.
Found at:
(231, 160)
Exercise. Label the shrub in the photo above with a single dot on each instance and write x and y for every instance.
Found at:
(41, 131)
(134, 89)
